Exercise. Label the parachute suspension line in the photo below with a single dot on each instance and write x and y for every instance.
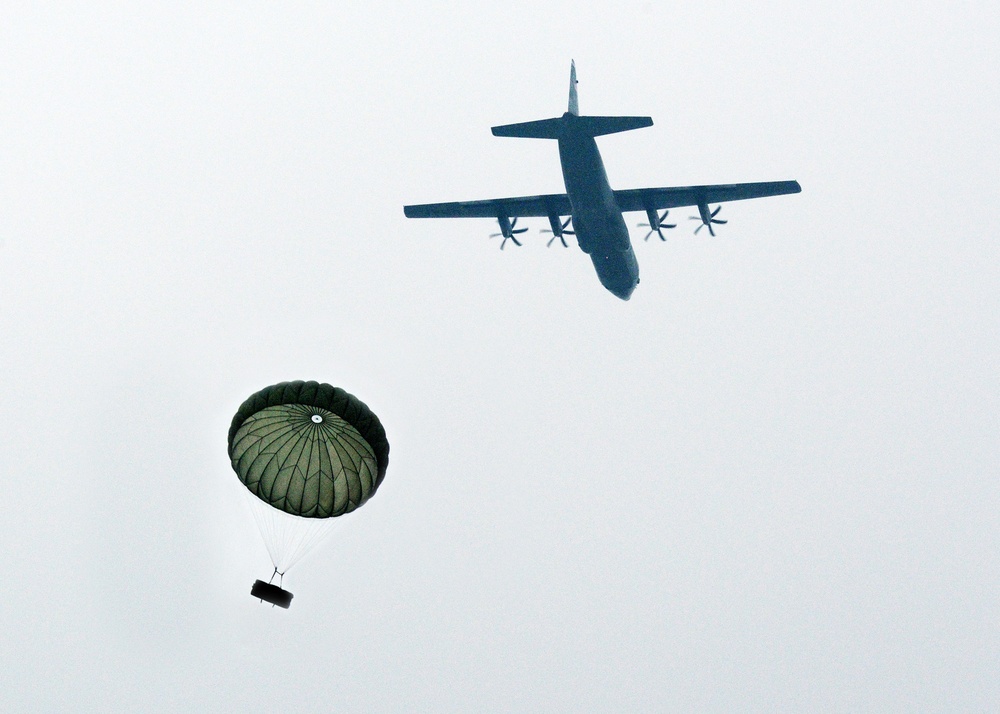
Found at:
(264, 525)
(304, 537)
(288, 538)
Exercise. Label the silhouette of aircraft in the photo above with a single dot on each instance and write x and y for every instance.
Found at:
(594, 210)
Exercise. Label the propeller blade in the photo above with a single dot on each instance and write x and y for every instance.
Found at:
(510, 235)
(710, 221)
(560, 230)
(657, 228)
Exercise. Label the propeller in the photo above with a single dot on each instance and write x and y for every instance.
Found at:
(558, 231)
(706, 218)
(508, 230)
(656, 223)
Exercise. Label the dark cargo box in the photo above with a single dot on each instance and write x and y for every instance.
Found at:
(272, 594)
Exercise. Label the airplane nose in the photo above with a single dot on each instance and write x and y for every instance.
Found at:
(618, 272)
(622, 290)
(625, 293)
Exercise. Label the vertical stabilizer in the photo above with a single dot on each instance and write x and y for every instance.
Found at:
(574, 102)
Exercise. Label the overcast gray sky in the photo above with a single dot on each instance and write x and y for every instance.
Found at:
(766, 483)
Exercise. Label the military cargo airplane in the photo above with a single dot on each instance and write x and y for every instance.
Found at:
(594, 210)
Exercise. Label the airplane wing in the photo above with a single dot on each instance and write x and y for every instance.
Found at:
(636, 199)
(646, 199)
(553, 204)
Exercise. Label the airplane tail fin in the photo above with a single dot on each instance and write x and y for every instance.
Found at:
(571, 123)
(574, 101)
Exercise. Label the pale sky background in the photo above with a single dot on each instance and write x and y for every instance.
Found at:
(767, 483)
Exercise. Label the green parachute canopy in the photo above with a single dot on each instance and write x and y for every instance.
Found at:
(308, 449)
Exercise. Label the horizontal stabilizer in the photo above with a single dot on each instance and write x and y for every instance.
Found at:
(541, 129)
(570, 125)
(599, 126)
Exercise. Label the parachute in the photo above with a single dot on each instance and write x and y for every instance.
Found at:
(307, 453)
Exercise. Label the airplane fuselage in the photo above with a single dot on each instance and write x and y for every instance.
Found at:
(597, 220)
